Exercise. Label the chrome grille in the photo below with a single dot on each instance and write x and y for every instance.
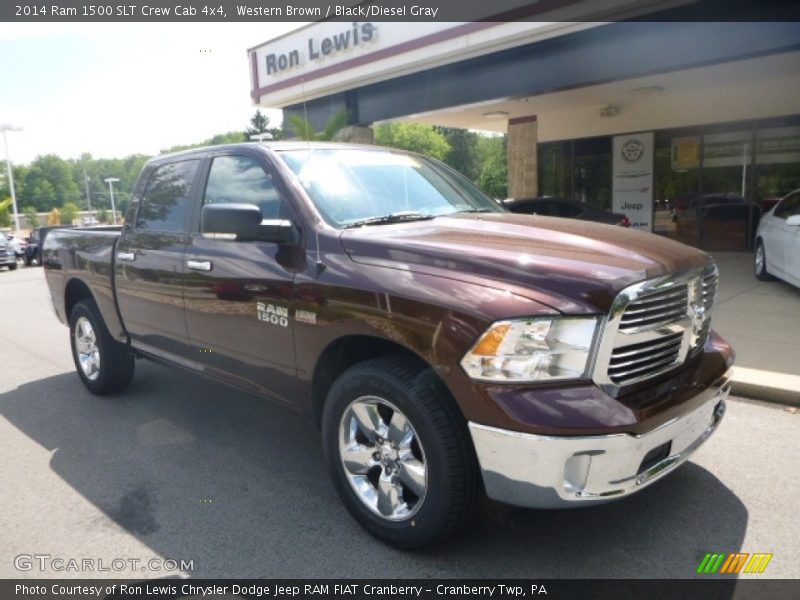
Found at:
(708, 289)
(630, 363)
(653, 326)
(656, 308)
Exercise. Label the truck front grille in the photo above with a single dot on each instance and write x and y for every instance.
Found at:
(708, 296)
(656, 308)
(630, 363)
(653, 327)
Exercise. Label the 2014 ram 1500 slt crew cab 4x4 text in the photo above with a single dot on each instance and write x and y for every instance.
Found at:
(445, 347)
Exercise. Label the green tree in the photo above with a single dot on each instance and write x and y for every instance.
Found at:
(259, 123)
(49, 182)
(5, 212)
(416, 137)
(304, 130)
(31, 216)
(102, 216)
(492, 160)
(69, 212)
(19, 172)
(463, 151)
(231, 137)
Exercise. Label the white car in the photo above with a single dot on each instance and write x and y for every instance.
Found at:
(778, 241)
(7, 257)
(18, 244)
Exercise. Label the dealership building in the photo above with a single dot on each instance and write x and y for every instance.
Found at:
(692, 129)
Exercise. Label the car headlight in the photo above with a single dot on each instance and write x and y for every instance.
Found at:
(534, 349)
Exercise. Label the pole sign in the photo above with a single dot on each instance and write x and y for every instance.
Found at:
(633, 179)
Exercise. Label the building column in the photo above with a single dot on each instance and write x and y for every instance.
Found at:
(523, 180)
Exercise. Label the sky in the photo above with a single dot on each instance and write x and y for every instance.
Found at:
(114, 89)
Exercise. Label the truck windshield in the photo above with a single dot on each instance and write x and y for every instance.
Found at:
(353, 187)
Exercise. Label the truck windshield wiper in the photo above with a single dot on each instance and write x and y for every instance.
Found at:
(396, 217)
(474, 210)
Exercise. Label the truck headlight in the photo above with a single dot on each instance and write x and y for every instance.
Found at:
(535, 349)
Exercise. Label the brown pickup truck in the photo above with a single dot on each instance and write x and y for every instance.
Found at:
(445, 347)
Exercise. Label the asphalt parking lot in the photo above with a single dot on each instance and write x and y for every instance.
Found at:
(183, 468)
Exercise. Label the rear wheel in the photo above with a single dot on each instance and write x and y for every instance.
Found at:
(398, 452)
(760, 262)
(104, 365)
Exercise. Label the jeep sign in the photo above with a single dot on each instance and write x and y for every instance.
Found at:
(633, 179)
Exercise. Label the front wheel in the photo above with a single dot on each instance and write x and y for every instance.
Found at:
(12, 266)
(760, 262)
(398, 452)
(104, 365)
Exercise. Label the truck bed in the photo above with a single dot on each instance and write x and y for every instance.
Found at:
(85, 258)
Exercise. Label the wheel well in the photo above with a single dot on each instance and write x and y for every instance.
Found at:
(343, 354)
(75, 291)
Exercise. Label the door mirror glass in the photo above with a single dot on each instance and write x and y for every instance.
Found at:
(245, 222)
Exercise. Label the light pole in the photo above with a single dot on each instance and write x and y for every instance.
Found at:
(110, 181)
(88, 195)
(4, 128)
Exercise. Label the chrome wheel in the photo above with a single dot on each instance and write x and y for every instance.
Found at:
(383, 458)
(760, 259)
(87, 349)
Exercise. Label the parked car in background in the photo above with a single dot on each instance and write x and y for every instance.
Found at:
(549, 206)
(778, 241)
(18, 244)
(33, 252)
(7, 257)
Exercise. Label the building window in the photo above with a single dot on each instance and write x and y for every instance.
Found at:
(578, 170)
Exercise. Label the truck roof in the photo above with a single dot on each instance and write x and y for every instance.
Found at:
(273, 145)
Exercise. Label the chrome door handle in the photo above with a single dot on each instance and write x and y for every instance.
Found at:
(126, 256)
(199, 265)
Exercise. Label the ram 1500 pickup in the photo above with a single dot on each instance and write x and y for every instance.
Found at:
(445, 347)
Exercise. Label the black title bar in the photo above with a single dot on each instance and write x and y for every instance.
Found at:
(711, 588)
(176, 11)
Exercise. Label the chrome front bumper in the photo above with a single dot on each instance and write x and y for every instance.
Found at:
(553, 472)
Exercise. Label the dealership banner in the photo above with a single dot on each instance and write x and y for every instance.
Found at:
(633, 179)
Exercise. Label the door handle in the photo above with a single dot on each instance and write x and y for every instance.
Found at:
(199, 265)
(126, 256)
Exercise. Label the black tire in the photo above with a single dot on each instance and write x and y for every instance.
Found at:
(451, 469)
(116, 363)
(760, 262)
(12, 266)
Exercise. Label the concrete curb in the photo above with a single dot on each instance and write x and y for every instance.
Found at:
(768, 386)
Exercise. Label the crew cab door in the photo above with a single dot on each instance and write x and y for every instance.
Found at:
(149, 267)
(239, 293)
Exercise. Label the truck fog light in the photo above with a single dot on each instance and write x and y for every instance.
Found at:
(576, 473)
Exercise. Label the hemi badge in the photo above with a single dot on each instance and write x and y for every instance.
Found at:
(305, 316)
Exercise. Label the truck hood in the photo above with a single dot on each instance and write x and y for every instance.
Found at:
(569, 265)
